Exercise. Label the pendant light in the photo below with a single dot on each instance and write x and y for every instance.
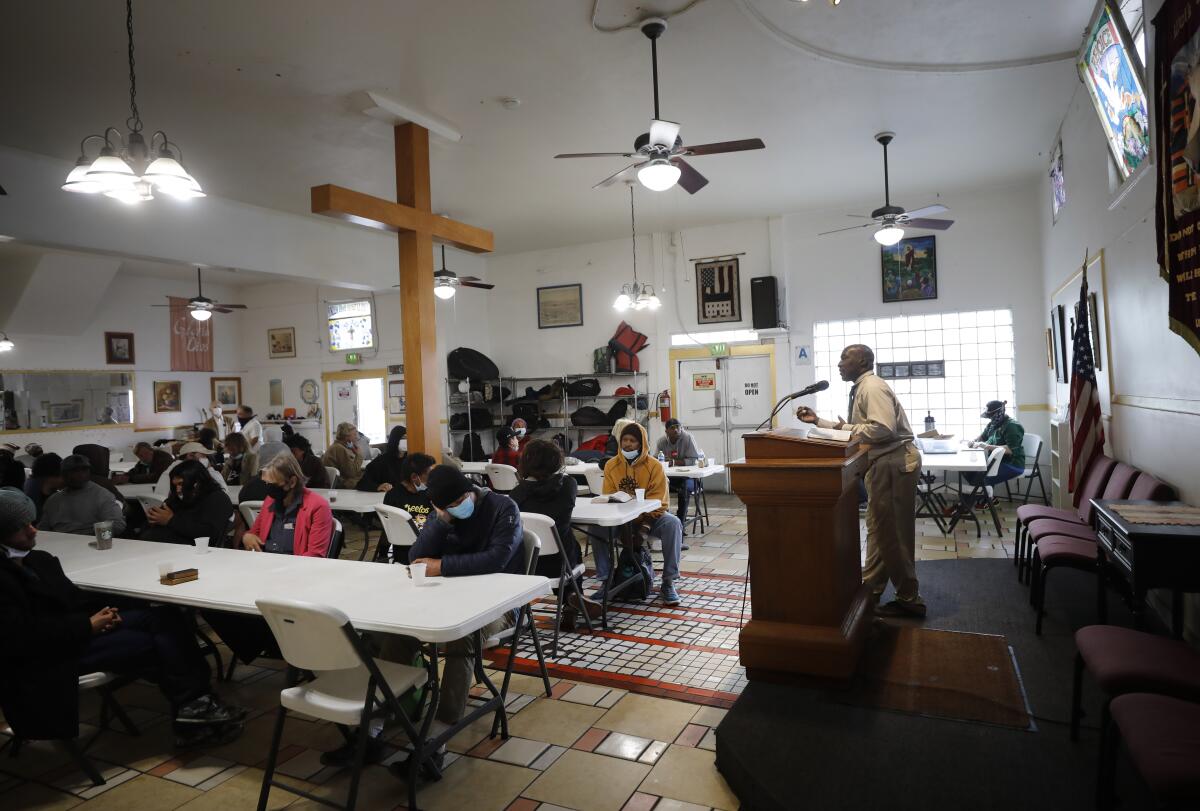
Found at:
(127, 168)
(6, 344)
(635, 295)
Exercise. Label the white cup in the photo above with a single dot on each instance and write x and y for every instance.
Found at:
(640, 493)
(165, 569)
(417, 570)
(202, 546)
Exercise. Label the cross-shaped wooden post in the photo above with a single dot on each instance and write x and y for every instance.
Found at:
(418, 228)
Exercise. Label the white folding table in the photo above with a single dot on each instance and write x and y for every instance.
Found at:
(609, 518)
(963, 460)
(699, 499)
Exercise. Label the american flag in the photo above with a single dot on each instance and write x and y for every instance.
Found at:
(717, 281)
(1087, 433)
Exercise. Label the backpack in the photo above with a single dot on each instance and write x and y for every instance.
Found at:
(588, 387)
(589, 415)
(625, 344)
(480, 418)
(472, 449)
(602, 360)
(618, 411)
(530, 412)
(464, 363)
(635, 559)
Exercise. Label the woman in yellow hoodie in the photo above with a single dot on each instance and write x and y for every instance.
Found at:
(633, 468)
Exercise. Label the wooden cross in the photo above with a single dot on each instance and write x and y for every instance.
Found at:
(418, 228)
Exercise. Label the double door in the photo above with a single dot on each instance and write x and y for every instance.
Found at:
(721, 399)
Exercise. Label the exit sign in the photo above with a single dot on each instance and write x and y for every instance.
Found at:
(353, 357)
(720, 350)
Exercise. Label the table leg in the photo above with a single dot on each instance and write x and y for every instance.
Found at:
(705, 522)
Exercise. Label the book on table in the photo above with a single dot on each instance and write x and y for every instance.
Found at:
(618, 497)
(817, 432)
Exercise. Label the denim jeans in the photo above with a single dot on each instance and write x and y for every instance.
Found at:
(1005, 473)
(668, 530)
(684, 489)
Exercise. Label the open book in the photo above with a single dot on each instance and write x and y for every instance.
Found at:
(613, 498)
(817, 432)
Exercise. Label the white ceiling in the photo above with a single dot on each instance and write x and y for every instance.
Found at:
(257, 94)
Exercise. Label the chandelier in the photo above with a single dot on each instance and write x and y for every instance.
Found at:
(635, 295)
(128, 168)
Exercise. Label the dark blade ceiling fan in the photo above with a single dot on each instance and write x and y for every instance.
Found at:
(202, 308)
(660, 152)
(446, 282)
(890, 220)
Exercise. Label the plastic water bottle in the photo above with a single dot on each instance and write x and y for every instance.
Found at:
(929, 422)
(662, 458)
(700, 460)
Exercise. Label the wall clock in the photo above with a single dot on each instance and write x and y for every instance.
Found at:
(309, 391)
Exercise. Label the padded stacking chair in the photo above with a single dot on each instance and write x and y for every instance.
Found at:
(1162, 736)
(1123, 660)
(1032, 445)
(1094, 484)
(543, 527)
(503, 477)
(1051, 552)
(532, 544)
(350, 688)
(397, 528)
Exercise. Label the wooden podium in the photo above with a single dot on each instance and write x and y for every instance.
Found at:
(811, 611)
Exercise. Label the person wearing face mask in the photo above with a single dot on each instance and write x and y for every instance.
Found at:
(241, 463)
(248, 425)
(1002, 431)
(195, 452)
(508, 449)
(81, 503)
(521, 429)
(412, 495)
(343, 454)
(196, 508)
(216, 420)
(635, 469)
(383, 472)
(293, 520)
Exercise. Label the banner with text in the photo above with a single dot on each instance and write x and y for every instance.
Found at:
(191, 340)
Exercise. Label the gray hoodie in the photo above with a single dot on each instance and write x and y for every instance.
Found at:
(75, 511)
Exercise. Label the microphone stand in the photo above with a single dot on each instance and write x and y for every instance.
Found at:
(778, 407)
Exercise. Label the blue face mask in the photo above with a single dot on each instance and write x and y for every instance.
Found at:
(631, 455)
(463, 511)
(422, 487)
(519, 431)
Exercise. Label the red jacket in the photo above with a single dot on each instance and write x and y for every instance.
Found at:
(507, 456)
(314, 525)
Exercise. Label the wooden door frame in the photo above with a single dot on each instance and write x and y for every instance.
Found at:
(348, 374)
(678, 354)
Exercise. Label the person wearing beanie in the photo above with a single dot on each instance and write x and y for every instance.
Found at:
(508, 448)
(1002, 431)
(81, 503)
(635, 469)
(53, 631)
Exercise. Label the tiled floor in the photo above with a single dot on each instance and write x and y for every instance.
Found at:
(589, 746)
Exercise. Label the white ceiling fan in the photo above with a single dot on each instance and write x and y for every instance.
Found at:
(202, 308)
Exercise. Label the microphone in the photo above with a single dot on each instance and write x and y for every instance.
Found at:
(820, 385)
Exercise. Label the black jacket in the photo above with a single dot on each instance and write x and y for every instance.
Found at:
(383, 469)
(488, 542)
(554, 497)
(45, 625)
(207, 518)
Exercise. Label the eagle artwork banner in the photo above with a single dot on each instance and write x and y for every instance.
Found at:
(1177, 124)
(718, 292)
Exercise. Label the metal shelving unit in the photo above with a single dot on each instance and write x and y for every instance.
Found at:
(458, 402)
(560, 420)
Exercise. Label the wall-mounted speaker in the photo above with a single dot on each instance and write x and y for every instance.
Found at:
(764, 301)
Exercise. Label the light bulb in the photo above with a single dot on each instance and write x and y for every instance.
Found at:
(139, 192)
(444, 291)
(659, 174)
(6, 345)
(201, 315)
(622, 303)
(653, 302)
(889, 235)
(79, 182)
(112, 172)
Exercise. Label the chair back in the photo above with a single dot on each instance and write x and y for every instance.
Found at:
(532, 545)
(1094, 481)
(332, 473)
(502, 477)
(397, 525)
(1120, 481)
(250, 511)
(595, 479)
(335, 540)
(1032, 445)
(1151, 488)
(994, 460)
(543, 527)
(310, 636)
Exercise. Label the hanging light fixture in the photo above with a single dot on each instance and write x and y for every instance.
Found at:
(127, 168)
(6, 344)
(443, 289)
(635, 295)
(889, 234)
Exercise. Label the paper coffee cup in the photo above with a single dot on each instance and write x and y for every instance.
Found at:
(640, 493)
(104, 534)
(417, 570)
(202, 546)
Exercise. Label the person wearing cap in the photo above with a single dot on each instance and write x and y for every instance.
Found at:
(152, 463)
(635, 469)
(1002, 431)
(876, 418)
(344, 456)
(51, 632)
(190, 451)
(81, 503)
(508, 448)
(679, 448)
(249, 426)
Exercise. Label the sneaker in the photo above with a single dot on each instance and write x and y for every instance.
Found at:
(193, 735)
(669, 595)
(901, 608)
(594, 608)
(209, 710)
(431, 770)
(343, 756)
(598, 595)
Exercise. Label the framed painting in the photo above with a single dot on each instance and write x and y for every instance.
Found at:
(560, 306)
(1050, 351)
(227, 391)
(1058, 181)
(71, 411)
(718, 292)
(118, 347)
(1109, 66)
(909, 270)
(281, 342)
(167, 396)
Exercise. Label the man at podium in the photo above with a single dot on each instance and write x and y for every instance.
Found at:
(877, 419)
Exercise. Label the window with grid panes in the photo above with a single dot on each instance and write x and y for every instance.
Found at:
(977, 348)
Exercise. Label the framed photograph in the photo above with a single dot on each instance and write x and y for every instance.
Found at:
(118, 347)
(167, 396)
(935, 368)
(909, 270)
(1109, 66)
(275, 388)
(227, 391)
(900, 370)
(1058, 181)
(918, 370)
(718, 292)
(281, 342)
(560, 306)
(1050, 349)
(887, 371)
(65, 412)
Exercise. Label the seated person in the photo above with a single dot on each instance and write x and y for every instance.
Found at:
(678, 448)
(547, 490)
(294, 520)
(99, 455)
(32, 451)
(521, 429)
(383, 473)
(635, 469)
(241, 463)
(196, 508)
(189, 452)
(51, 631)
(272, 444)
(344, 456)
(208, 438)
(508, 449)
(314, 472)
(152, 463)
(45, 481)
(412, 496)
(81, 503)
(1001, 431)
(248, 426)
(12, 472)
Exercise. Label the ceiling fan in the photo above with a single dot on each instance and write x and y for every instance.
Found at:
(890, 218)
(446, 282)
(201, 308)
(660, 152)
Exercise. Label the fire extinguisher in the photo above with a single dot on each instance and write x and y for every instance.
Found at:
(664, 405)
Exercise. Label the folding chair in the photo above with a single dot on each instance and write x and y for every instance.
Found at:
(397, 529)
(532, 546)
(332, 473)
(503, 477)
(1032, 445)
(249, 511)
(966, 502)
(350, 687)
(543, 527)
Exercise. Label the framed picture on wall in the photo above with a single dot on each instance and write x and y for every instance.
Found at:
(560, 306)
(718, 291)
(1111, 70)
(1058, 181)
(66, 412)
(227, 391)
(281, 342)
(1050, 350)
(118, 347)
(909, 270)
(167, 396)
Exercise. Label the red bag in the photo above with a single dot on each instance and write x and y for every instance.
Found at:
(625, 344)
(596, 443)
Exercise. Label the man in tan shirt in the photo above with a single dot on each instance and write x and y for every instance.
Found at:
(894, 465)
(343, 454)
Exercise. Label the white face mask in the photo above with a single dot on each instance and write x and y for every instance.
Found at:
(631, 455)
(519, 431)
(15, 553)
